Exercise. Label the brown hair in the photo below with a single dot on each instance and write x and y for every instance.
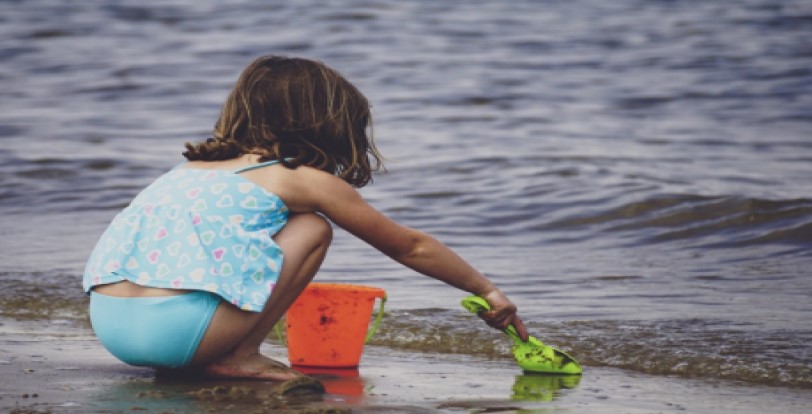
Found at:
(299, 112)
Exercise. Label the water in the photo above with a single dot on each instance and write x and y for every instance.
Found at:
(635, 174)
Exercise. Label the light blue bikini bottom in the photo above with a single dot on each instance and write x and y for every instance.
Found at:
(162, 331)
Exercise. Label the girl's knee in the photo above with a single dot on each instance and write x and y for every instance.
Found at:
(313, 224)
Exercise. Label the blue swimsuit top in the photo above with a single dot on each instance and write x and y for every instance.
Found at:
(196, 229)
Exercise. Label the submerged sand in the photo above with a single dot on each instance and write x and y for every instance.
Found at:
(51, 367)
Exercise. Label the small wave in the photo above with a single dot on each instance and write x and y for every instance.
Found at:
(47, 173)
(801, 235)
(111, 90)
(69, 184)
(26, 297)
(348, 16)
(689, 348)
(10, 130)
(51, 33)
(712, 221)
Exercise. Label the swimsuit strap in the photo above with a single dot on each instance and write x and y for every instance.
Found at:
(255, 166)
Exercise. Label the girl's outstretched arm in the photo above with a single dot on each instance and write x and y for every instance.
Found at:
(345, 207)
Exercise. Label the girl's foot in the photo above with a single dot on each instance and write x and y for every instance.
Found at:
(250, 366)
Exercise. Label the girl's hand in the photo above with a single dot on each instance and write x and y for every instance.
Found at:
(502, 313)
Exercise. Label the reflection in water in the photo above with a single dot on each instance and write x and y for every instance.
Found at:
(190, 394)
(542, 387)
(340, 384)
(143, 394)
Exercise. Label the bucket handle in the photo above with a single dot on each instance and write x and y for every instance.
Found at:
(278, 331)
(377, 322)
(370, 333)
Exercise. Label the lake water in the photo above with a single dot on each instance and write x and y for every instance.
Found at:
(636, 175)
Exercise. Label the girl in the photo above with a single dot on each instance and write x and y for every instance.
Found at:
(191, 273)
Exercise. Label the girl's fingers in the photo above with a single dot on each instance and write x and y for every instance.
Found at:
(520, 329)
(503, 314)
(499, 319)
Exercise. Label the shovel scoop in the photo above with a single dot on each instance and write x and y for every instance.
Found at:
(533, 355)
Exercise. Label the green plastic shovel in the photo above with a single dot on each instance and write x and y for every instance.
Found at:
(533, 355)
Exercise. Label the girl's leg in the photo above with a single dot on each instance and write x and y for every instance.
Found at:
(230, 347)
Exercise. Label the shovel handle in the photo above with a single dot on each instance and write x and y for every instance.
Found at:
(476, 304)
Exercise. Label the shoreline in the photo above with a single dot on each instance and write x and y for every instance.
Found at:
(47, 367)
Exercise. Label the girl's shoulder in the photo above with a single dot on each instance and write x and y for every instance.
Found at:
(303, 188)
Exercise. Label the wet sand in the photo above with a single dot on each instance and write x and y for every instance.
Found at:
(52, 367)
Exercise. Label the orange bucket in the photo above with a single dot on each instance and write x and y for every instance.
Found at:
(328, 324)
